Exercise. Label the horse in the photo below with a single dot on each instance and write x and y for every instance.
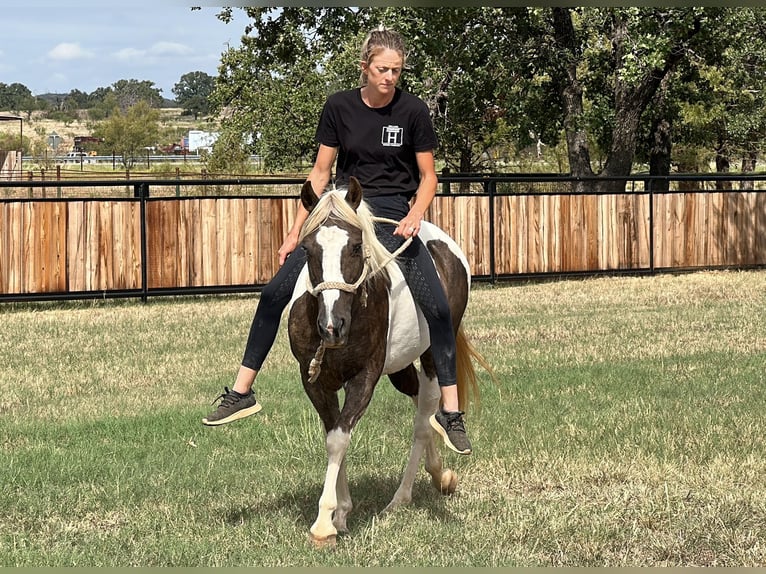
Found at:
(352, 319)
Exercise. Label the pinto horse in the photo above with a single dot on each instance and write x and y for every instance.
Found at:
(352, 319)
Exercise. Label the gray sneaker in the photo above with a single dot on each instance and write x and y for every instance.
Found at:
(233, 406)
(451, 428)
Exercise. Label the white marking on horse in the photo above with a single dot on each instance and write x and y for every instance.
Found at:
(408, 335)
(332, 240)
(337, 443)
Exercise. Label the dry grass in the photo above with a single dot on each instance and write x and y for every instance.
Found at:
(38, 127)
(626, 431)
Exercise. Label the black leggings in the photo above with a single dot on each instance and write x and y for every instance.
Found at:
(421, 277)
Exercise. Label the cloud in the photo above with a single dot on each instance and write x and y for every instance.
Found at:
(170, 49)
(128, 54)
(157, 51)
(69, 51)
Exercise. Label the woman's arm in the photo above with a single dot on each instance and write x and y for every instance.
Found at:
(410, 225)
(319, 176)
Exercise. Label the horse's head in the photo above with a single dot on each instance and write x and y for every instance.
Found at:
(336, 255)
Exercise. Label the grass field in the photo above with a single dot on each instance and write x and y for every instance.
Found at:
(626, 430)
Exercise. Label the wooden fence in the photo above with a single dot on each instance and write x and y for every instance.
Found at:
(142, 246)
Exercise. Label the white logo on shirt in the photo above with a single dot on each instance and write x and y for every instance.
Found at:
(392, 136)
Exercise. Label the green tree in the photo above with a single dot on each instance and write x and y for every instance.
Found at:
(10, 142)
(607, 66)
(616, 83)
(129, 133)
(291, 59)
(16, 98)
(76, 100)
(129, 92)
(724, 97)
(193, 93)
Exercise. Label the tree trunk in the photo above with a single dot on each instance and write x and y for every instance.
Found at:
(659, 155)
(466, 166)
(722, 165)
(631, 101)
(570, 91)
(748, 166)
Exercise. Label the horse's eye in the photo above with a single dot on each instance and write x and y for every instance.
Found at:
(356, 249)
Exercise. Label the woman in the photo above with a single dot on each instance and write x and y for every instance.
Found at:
(384, 137)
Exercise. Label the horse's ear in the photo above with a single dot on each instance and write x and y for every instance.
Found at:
(309, 199)
(354, 193)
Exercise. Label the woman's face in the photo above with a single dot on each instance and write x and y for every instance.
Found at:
(383, 71)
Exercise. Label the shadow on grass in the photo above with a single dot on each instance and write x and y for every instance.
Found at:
(370, 495)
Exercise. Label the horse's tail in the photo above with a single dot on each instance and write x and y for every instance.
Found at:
(467, 385)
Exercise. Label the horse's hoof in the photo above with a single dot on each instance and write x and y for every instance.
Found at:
(448, 483)
(323, 542)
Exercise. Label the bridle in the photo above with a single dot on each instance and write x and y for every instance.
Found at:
(342, 286)
(366, 270)
(316, 363)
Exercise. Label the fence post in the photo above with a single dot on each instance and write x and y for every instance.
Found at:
(651, 230)
(58, 179)
(446, 190)
(490, 187)
(141, 191)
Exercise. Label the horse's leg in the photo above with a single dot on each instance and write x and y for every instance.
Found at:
(335, 501)
(443, 479)
(323, 530)
(407, 382)
(344, 504)
(327, 407)
(426, 402)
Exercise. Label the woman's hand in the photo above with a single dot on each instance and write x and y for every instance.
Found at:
(409, 226)
(288, 246)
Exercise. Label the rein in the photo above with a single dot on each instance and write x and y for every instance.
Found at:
(316, 363)
(366, 274)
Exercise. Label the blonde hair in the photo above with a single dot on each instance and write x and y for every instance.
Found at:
(377, 41)
(333, 202)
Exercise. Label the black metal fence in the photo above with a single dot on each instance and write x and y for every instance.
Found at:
(490, 186)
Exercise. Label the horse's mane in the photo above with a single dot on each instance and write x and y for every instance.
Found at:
(333, 203)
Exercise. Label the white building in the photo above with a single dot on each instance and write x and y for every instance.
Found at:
(199, 139)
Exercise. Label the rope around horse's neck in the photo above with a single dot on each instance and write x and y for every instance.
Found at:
(398, 251)
(366, 274)
(315, 366)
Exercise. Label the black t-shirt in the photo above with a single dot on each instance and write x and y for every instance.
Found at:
(377, 145)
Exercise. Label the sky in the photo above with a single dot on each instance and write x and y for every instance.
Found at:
(64, 45)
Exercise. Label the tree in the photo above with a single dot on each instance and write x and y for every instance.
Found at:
(607, 65)
(76, 100)
(130, 92)
(724, 97)
(273, 86)
(16, 98)
(193, 93)
(10, 141)
(613, 82)
(129, 133)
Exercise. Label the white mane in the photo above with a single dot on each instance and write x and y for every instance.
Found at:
(333, 202)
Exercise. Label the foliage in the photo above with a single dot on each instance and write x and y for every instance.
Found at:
(129, 92)
(291, 59)
(193, 93)
(721, 100)
(505, 78)
(16, 98)
(129, 133)
(10, 141)
(230, 155)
